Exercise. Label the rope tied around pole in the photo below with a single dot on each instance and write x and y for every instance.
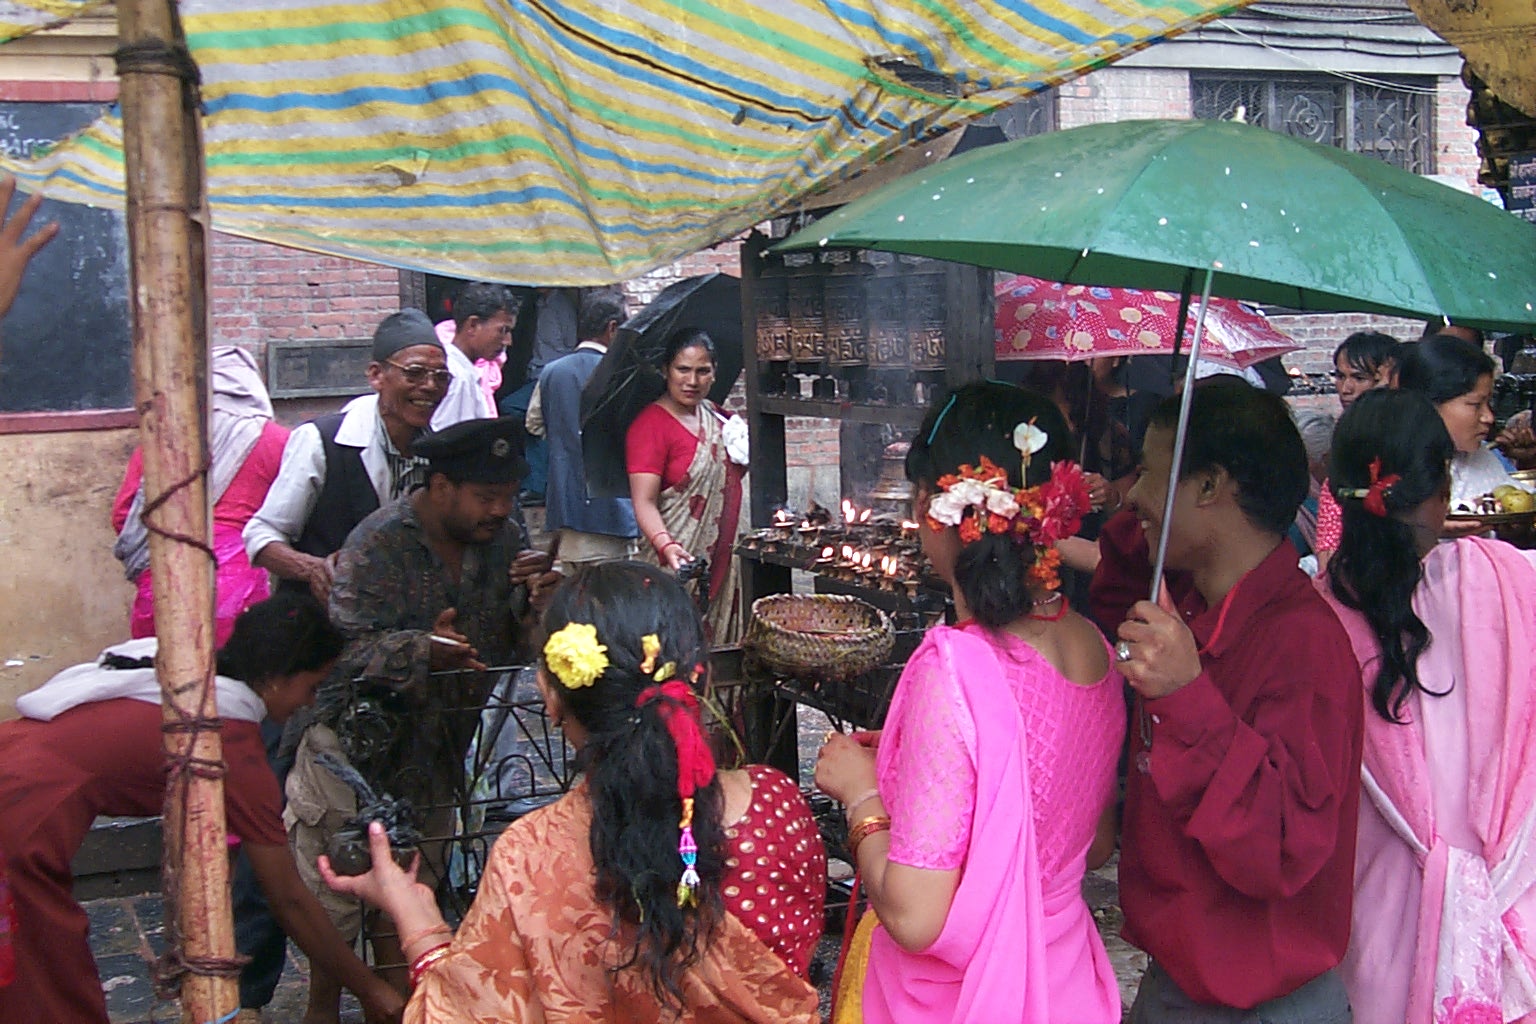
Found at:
(157, 57)
(169, 493)
(172, 967)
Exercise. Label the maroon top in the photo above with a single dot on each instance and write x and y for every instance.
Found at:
(1237, 867)
(1124, 574)
(776, 869)
(108, 757)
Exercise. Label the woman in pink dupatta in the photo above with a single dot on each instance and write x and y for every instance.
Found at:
(973, 822)
(1445, 874)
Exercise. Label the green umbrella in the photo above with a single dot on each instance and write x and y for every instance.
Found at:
(1142, 204)
(1259, 215)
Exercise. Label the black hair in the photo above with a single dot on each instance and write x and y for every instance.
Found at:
(1368, 350)
(686, 337)
(1377, 567)
(484, 300)
(1438, 326)
(1443, 367)
(630, 763)
(288, 632)
(599, 308)
(1248, 432)
(965, 424)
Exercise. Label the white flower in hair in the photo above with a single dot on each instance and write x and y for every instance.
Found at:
(1028, 439)
(947, 508)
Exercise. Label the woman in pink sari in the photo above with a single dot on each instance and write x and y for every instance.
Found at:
(1445, 873)
(973, 821)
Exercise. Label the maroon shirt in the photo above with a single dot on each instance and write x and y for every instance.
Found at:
(1124, 574)
(1237, 868)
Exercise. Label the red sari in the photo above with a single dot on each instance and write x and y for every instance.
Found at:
(700, 502)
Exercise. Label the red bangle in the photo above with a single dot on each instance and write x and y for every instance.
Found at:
(423, 963)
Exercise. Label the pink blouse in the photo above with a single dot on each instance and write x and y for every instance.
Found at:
(928, 782)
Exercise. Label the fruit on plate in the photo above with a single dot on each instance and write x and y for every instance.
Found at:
(1513, 499)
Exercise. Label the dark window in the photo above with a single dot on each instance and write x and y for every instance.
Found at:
(1033, 115)
(1391, 119)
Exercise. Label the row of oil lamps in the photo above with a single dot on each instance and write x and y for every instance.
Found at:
(869, 549)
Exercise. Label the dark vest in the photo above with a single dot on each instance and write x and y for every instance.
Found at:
(346, 498)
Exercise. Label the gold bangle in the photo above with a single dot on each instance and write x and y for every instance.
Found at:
(863, 829)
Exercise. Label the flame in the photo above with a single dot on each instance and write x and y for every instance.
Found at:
(864, 516)
(847, 510)
(848, 552)
(907, 524)
(781, 517)
(827, 552)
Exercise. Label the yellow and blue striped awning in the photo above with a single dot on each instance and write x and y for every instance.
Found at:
(576, 141)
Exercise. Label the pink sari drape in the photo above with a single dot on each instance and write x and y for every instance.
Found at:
(1464, 823)
(991, 962)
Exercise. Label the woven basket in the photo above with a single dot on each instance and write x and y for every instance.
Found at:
(828, 636)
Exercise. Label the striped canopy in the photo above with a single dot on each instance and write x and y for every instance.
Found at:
(576, 141)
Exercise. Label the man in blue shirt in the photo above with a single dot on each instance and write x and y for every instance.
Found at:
(589, 529)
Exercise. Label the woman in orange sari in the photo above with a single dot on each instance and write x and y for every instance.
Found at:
(658, 889)
(686, 488)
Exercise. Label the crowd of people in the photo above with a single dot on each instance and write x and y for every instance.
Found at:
(1307, 740)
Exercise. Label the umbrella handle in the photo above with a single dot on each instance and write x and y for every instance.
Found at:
(1182, 430)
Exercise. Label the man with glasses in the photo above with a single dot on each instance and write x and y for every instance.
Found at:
(335, 471)
(483, 317)
(339, 468)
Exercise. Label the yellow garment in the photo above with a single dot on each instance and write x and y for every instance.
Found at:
(848, 1000)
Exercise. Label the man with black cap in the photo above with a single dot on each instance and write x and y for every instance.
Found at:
(439, 580)
(338, 468)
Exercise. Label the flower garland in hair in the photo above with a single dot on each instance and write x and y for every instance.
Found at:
(978, 501)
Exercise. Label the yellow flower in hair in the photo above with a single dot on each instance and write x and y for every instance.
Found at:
(574, 655)
(650, 646)
(666, 673)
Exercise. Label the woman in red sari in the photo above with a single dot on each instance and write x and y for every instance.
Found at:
(686, 488)
(658, 889)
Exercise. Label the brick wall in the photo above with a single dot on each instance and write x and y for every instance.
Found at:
(1123, 94)
(1455, 140)
(258, 292)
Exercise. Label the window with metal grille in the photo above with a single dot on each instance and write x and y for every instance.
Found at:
(1392, 119)
(1035, 114)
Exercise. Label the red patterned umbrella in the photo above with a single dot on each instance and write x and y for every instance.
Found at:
(1048, 320)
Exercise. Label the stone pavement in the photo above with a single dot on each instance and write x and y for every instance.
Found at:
(124, 931)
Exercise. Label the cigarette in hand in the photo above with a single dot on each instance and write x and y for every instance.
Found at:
(447, 641)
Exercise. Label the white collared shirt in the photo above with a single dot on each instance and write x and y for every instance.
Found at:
(291, 499)
(466, 399)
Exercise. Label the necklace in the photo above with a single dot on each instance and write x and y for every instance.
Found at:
(1057, 615)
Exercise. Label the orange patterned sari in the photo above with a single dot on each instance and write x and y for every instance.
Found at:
(535, 948)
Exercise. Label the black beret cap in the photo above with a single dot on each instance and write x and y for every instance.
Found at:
(402, 330)
(488, 451)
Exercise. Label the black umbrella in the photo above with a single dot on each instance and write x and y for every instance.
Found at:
(629, 377)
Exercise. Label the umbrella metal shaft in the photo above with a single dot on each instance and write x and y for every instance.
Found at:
(1180, 432)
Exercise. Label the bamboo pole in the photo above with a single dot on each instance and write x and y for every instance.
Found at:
(162, 151)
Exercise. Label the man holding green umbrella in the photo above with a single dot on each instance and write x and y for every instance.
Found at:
(1237, 862)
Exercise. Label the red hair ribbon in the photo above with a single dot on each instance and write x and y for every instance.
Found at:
(679, 711)
(1376, 494)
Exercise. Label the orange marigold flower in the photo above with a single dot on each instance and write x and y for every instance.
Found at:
(970, 530)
